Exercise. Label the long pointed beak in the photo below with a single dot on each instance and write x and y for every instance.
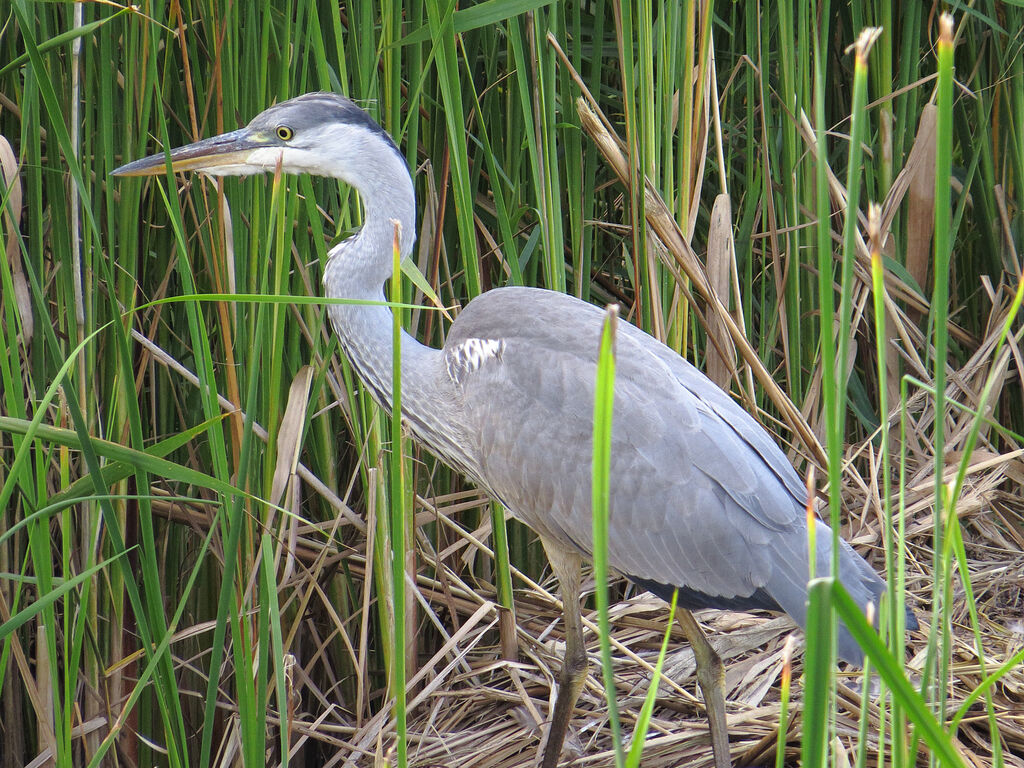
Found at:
(226, 154)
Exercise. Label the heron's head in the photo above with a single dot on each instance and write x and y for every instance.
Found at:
(320, 133)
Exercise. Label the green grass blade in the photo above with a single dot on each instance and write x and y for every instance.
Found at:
(604, 401)
(398, 515)
(636, 748)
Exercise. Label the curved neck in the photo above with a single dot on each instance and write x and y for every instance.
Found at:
(357, 269)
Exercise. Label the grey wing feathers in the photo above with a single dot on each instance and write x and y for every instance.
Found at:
(701, 497)
(752, 433)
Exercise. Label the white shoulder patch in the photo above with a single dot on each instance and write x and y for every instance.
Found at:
(467, 357)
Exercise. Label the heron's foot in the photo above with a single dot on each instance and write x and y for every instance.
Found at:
(570, 684)
(711, 679)
(571, 749)
(532, 722)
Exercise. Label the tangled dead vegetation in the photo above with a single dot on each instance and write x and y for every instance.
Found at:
(477, 698)
(471, 707)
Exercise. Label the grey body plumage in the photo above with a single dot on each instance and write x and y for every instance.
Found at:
(701, 497)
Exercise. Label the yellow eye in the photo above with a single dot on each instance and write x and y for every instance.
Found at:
(284, 133)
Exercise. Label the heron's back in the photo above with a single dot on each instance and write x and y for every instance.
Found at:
(701, 498)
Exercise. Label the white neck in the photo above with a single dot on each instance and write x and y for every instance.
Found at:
(359, 266)
(357, 269)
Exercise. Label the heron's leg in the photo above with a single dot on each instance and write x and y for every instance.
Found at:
(711, 678)
(567, 566)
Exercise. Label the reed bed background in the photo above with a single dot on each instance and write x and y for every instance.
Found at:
(196, 499)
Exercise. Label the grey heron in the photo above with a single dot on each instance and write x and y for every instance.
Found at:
(702, 500)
